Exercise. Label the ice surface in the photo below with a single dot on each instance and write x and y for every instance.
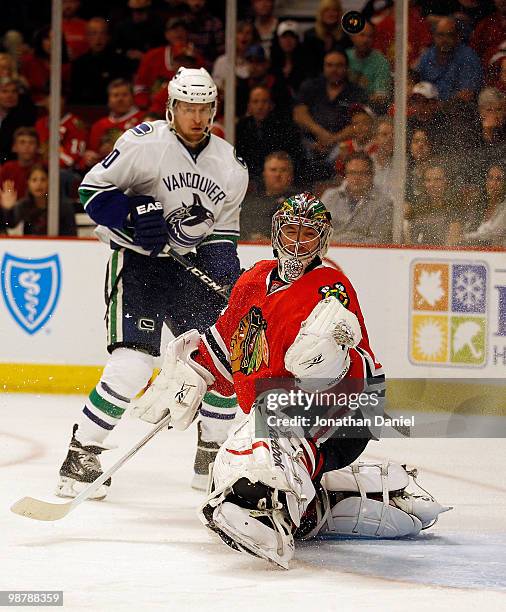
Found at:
(144, 548)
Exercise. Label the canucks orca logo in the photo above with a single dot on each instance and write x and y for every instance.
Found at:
(31, 288)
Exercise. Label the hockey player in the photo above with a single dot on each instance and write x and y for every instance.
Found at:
(292, 317)
(166, 183)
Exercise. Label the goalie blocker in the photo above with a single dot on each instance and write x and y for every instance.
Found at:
(268, 492)
(180, 386)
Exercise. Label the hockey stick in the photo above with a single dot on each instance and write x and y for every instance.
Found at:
(49, 511)
(222, 291)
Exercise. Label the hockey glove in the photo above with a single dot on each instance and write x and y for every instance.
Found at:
(179, 387)
(190, 224)
(150, 228)
(319, 353)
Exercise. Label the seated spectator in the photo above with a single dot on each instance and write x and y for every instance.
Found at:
(258, 208)
(382, 154)
(74, 29)
(490, 230)
(451, 66)
(483, 141)
(245, 36)
(8, 69)
(73, 137)
(361, 213)
(287, 57)
(26, 148)
(326, 35)
(259, 68)
(420, 150)
(123, 115)
(419, 35)
(262, 131)
(265, 22)
(492, 120)
(435, 217)
(138, 33)
(489, 33)
(36, 67)
(14, 45)
(93, 71)
(363, 132)
(158, 65)
(31, 210)
(15, 111)
(496, 75)
(424, 112)
(205, 31)
(322, 111)
(369, 68)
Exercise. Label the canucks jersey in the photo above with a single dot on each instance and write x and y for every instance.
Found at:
(149, 159)
(250, 338)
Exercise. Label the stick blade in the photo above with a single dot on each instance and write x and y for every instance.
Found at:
(40, 510)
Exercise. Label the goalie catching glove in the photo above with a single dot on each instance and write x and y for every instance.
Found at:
(179, 387)
(319, 356)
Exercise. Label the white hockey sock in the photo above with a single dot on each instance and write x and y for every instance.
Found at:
(216, 415)
(101, 412)
(127, 372)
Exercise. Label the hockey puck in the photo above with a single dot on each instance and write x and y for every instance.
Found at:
(353, 22)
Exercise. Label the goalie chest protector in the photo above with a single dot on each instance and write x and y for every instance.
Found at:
(258, 327)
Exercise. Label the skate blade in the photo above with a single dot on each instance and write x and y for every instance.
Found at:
(68, 487)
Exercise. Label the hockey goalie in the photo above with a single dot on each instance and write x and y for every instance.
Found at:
(290, 318)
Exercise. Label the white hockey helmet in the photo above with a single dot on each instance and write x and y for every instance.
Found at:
(193, 85)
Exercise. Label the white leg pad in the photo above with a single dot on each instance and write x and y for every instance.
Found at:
(357, 511)
(248, 532)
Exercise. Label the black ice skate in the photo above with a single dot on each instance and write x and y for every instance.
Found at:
(80, 468)
(206, 454)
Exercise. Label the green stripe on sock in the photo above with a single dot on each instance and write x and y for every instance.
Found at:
(105, 406)
(220, 402)
(113, 307)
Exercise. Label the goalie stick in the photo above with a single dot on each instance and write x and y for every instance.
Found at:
(49, 511)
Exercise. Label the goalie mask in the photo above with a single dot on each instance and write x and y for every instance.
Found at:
(301, 230)
(194, 86)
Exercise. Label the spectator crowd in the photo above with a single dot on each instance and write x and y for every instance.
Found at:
(314, 108)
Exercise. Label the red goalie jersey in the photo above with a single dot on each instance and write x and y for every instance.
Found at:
(250, 339)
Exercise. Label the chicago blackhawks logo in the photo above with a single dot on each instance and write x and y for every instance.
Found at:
(337, 290)
(248, 345)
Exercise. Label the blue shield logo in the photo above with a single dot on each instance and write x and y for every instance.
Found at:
(31, 288)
